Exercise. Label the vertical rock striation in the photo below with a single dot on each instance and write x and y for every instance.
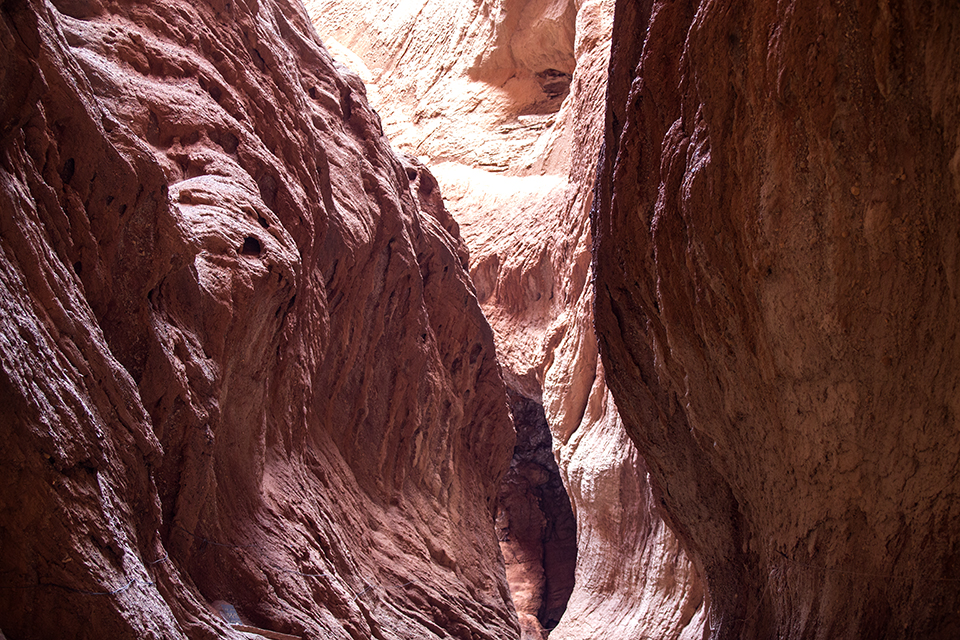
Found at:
(515, 153)
(633, 578)
(776, 262)
(241, 357)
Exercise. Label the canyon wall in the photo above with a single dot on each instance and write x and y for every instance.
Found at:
(505, 100)
(242, 360)
(776, 240)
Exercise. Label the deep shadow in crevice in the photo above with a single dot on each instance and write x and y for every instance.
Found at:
(535, 521)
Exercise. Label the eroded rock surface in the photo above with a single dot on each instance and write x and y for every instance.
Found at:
(633, 578)
(517, 167)
(462, 82)
(776, 256)
(241, 358)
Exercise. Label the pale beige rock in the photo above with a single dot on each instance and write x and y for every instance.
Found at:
(633, 580)
(452, 73)
(516, 171)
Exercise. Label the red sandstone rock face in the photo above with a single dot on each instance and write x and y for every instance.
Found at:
(241, 359)
(776, 254)
(517, 172)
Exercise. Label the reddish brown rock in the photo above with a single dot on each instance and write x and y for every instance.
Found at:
(241, 358)
(776, 241)
(518, 165)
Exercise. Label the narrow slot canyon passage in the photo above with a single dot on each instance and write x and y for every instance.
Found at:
(484, 100)
(504, 104)
(515, 320)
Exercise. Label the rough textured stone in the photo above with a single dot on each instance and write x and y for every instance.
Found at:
(448, 74)
(241, 357)
(520, 188)
(776, 255)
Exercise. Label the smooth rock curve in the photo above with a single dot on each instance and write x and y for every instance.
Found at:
(776, 248)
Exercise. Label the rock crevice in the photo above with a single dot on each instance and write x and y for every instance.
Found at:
(535, 523)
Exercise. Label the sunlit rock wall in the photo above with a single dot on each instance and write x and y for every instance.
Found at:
(462, 86)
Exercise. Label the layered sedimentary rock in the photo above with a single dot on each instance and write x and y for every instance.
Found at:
(515, 153)
(241, 358)
(776, 248)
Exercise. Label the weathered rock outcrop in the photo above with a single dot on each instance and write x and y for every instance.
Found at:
(516, 160)
(241, 358)
(776, 240)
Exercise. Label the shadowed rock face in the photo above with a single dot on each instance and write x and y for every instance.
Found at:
(241, 357)
(776, 255)
(535, 524)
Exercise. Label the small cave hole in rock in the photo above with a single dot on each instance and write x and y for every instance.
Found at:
(554, 83)
(251, 247)
(268, 190)
(69, 167)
